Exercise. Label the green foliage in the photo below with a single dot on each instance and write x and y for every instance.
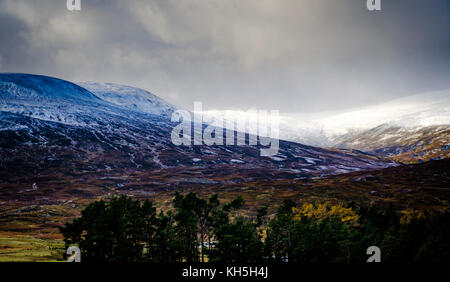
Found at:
(295, 238)
(237, 242)
(199, 229)
(128, 230)
(296, 235)
(426, 239)
(111, 231)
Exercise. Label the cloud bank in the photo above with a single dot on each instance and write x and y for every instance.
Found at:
(292, 55)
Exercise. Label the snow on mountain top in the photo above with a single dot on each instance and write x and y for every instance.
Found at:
(36, 87)
(61, 101)
(47, 98)
(130, 97)
(420, 110)
(319, 129)
(416, 111)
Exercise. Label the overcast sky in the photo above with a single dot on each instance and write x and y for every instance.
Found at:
(294, 56)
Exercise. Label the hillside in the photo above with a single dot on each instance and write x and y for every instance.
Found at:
(63, 146)
(411, 129)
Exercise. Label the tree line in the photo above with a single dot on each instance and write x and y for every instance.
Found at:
(205, 230)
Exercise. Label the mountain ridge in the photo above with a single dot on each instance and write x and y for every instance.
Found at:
(106, 135)
(130, 97)
(390, 129)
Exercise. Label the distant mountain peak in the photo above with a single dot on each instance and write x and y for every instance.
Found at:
(129, 97)
(30, 86)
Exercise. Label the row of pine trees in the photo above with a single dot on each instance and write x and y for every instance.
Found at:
(205, 230)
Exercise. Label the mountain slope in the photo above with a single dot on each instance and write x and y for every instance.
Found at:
(49, 130)
(409, 129)
(408, 145)
(130, 97)
(41, 88)
(53, 99)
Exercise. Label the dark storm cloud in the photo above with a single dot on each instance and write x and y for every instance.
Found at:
(288, 55)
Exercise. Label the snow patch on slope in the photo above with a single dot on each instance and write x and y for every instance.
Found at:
(130, 97)
(323, 128)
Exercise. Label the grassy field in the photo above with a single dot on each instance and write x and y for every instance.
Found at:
(24, 248)
(29, 221)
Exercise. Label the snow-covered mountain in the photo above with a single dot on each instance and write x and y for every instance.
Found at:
(418, 126)
(41, 89)
(410, 129)
(422, 110)
(55, 100)
(130, 97)
(47, 122)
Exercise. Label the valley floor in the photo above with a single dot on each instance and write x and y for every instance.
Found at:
(29, 219)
